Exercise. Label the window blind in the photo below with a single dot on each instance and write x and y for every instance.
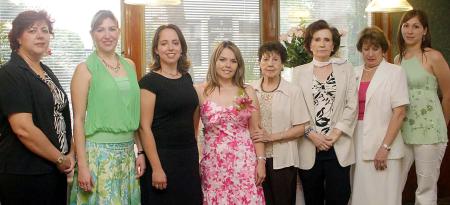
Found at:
(348, 16)
(205, 24)
(71, 43)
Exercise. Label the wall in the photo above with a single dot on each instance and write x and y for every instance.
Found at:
(438, 12)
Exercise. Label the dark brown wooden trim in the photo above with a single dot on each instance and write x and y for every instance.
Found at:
(383, 20)
(134, 36)
(270, 20)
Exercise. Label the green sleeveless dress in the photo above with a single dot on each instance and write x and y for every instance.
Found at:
(111, 119)
(424, 123)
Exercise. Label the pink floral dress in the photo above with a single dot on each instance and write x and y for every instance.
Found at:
(228, 166)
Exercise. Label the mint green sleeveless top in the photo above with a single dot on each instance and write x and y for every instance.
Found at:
(424, 123)
(113, 103)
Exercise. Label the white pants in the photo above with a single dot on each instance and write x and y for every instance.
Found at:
(428, 159)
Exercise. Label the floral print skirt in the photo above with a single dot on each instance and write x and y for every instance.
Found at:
(112, 167)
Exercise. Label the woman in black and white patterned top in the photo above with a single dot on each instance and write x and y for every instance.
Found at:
(35, 128)
(329, 89)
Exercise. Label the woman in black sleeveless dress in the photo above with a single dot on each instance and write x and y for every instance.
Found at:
(168, 105)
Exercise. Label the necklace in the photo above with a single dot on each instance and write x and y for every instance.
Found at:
(115, 68)
(170, 74)
(370, 69)
(36, 68)
(262, 87)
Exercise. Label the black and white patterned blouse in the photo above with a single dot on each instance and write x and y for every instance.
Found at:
(60, 103)
(324, 95)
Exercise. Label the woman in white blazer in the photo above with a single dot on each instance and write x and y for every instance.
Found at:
(329, 89)
(383, 97)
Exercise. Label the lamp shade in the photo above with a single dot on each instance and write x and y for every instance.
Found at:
(388, 6)
(137, 2)
(154, 2)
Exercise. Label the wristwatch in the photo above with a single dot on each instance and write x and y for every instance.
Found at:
(61, 159)
(387, 147)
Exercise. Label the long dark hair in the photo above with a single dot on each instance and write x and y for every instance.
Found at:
(426, 40)
(183, 62)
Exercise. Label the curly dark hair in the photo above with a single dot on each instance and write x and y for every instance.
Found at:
(25, 20)
(317, 26)
(273, 46)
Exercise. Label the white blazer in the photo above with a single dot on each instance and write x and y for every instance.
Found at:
(388, 89)
(344, 112)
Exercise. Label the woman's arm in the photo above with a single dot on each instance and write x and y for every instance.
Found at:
(36, 141)
(395, 123)
(140, 159)
(148, 100)
(79, 87)
(292, 133)
(442, 74)
(348, 120)
(199, 90)
(259, 146)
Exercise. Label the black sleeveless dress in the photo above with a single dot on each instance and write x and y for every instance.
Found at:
(173, 129)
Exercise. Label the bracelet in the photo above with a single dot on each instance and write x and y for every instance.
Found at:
(387, 147)
(308, 131)
(61, 159)
(141, 152)
(261, 158)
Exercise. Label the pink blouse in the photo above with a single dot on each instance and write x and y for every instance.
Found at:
(362, 98)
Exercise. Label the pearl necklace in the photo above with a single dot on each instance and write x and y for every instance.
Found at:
(370, 69)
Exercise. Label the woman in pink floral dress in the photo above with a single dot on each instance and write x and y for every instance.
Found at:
(232, 167)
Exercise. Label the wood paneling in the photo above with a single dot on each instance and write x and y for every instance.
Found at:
(383, 21)
(270, 20)
(134, 36)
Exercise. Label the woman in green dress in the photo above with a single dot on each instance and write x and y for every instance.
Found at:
(425, 128)
(105, 101)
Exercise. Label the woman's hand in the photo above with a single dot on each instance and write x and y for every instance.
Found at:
(70, 157)
(380, 161)
(333, 137)
(319, 141)
(159, 179)
(260, 172)
(67, 164)
(85, 181)
(140, 165)
(261, 135)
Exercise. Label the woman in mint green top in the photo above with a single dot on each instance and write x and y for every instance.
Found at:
(425, 128)
(106, 105)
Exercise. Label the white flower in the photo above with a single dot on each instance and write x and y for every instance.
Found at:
(292, 31)
(283, 37)
(298, 33)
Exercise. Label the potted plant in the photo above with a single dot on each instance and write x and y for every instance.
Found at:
(294, 41)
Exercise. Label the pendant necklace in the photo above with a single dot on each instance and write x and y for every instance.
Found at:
(115, 68)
